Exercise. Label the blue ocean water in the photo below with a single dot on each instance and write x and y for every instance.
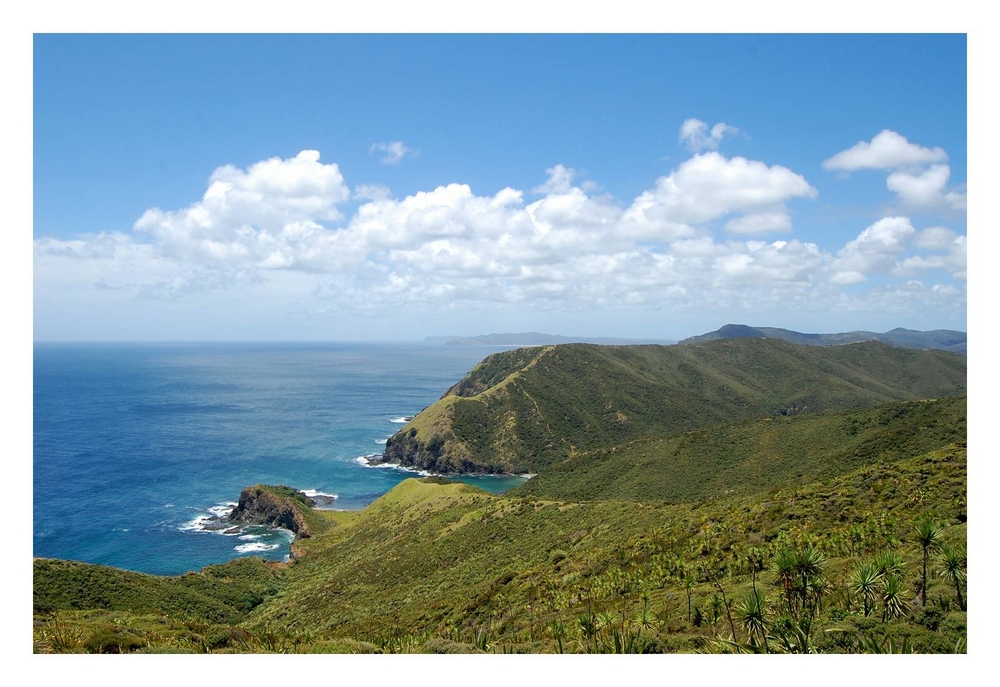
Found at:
(136, 446)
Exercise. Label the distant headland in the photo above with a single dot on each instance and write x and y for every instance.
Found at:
(538, 339)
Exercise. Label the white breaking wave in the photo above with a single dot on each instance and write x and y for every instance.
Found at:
(255, 546)
(320, 496)
(399, 420)
(222, 511)
(313, 492)
(215, 521)
(196, 524)
(363, 461)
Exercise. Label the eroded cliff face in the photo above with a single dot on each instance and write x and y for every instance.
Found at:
(274, 507)
(408, 449)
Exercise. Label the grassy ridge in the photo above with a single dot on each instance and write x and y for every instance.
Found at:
(753, 456)
(494, 369)
(564, 400)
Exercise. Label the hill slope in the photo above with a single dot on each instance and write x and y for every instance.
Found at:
(753, 456)
(438, 566)
(524, 565)
(679, 489)
(522, 410)
(219, 593)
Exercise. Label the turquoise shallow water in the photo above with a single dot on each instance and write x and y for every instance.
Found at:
(136, 446)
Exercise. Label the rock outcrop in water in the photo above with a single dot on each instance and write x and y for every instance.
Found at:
(274, 506)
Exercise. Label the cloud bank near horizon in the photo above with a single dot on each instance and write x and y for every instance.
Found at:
(701, 237)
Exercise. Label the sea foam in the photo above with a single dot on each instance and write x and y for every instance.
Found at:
(223, 511)
(313, 493)
(215, 520)
(255, 546)
(321, 498)
(363, 462)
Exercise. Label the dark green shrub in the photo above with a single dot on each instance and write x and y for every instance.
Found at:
(929, 617)
(108, 639)
(435, 445)
(955, 624)
(222, 636)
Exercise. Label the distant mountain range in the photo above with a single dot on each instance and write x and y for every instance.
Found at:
(538, 339)
(942, 339)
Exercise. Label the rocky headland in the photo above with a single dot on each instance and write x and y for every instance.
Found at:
(273, 506)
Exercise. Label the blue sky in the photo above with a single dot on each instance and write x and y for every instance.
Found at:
(398, 186)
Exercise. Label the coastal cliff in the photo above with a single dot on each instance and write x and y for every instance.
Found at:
(274, 506)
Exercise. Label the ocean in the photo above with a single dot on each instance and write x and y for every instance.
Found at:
(137, 447)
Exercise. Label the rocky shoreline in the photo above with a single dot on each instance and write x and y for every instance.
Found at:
(273, 507)
(382, 460)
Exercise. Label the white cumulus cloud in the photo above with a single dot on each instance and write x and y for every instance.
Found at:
(926, 190)
(270, 236)
(952, 260)
(560, 180)
(710, 186)
(887, 150)
(696, 135)
(916, 185)
(267, 215)
(875, 250)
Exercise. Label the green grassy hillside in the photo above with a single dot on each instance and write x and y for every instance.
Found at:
(219, 593)
(447, 567)
(448, 562)
(747, 496)
(747, 457)
(522, 410)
